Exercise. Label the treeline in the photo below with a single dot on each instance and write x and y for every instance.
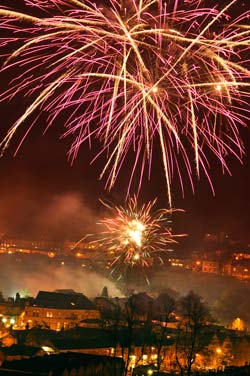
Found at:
(176, 333)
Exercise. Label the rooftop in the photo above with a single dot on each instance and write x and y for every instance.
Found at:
(63, 300)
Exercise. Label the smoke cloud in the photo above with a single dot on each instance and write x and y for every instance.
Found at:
(60, 216)
(33, 273)
(226, 296)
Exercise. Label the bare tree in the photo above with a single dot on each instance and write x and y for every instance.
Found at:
(124, 320)
(137, 311)
(194, 315)
(165, 305)
(112, 320)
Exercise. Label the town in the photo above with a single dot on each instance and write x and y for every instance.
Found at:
(218, 255)
(158, 332)
(124, 210)
(137, 333)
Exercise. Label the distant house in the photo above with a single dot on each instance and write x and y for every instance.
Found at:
(59, 310)
(209, 266)
(241, 269)
(10, 311)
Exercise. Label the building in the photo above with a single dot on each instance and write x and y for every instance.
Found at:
(10, 311)
(244, 255)
(209, 266)
(241, 269)
(59, 310)
(41, 246)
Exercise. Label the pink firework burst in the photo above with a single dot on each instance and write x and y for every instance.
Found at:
(136, 75)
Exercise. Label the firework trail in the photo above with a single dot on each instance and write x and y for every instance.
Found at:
(135, 235)
(136, 75)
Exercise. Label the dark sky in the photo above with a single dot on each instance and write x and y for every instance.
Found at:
(41, 194)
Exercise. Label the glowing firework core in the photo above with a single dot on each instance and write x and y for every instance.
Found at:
(135, 232)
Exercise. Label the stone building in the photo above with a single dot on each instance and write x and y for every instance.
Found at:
(58, 310)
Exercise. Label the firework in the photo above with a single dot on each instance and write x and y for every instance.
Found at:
(136, 235)
(136, 75)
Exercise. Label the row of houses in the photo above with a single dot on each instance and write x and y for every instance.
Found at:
(219, 262)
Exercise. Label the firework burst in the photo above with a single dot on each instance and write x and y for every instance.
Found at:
(137, 75)
(136, 235)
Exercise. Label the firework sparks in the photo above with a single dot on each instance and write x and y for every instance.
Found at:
(135, 75)
(135, 234)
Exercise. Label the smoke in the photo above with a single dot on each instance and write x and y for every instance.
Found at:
(60, 216)
(226, 297)
(33, 273)
(66, 216)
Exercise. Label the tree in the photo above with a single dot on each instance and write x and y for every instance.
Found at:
(123, 320)
(1, 297)
(242, 351)
(138, 309)
(105, 293)
(213, 352)
(112, 319)
(194, 315)
(165, 305)
(227, 351)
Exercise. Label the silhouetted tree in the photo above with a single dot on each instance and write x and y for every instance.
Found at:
(112, 319)
(1, 297)
(212, 352)
(104, 293)
(242, 351)
(165, 305)
(137, 309)
(194, 315)
(227, 351)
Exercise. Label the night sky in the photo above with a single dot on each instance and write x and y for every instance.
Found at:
(42, 194)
